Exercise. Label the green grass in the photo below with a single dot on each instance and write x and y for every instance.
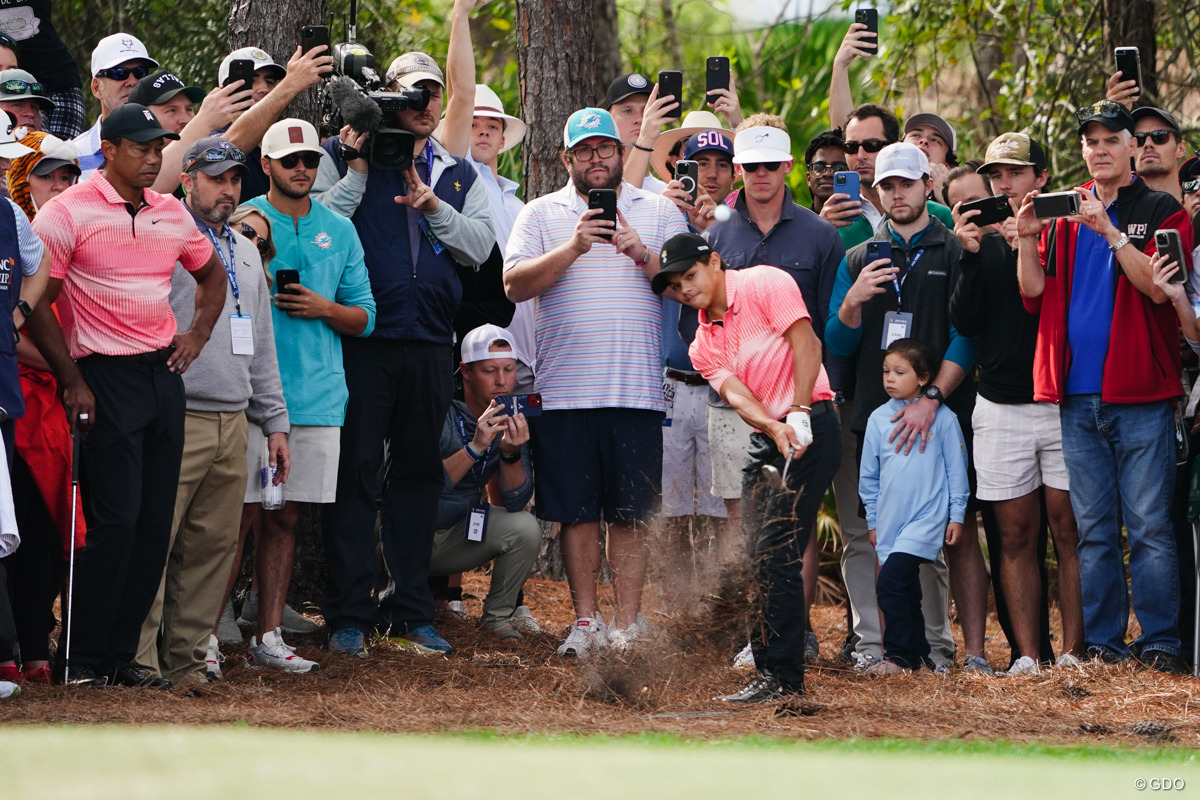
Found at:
(210, 762)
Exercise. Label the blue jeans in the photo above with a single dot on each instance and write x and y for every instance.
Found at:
(1121, 459)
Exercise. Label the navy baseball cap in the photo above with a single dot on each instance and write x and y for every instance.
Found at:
(707, 140)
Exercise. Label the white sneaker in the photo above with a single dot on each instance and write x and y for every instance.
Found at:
(212, 661)
(864, 661)
(587, 634)
(623, 638)
(228, 631)
(457, 607)
(978, 665)
(1068, 660)
(522, 620)
(273, 652)
(1023, 666)
(744, 659)
(8, 689)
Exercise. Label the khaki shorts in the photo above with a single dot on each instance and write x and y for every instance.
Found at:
(313, 478)
(1018, 447)
(728, 443)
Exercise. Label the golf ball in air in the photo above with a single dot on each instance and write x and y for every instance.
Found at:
(722, 213)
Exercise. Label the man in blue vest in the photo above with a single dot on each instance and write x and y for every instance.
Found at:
(415, 225)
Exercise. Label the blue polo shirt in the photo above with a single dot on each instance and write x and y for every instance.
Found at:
(1089, 318)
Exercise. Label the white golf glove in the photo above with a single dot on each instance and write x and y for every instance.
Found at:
(802, 425)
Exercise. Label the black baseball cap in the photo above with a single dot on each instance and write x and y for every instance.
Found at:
(627, 86)
(678, 254)
(159, 87)
(134, 122)
(1151, 111)
(1189, 169)
(1111, 115)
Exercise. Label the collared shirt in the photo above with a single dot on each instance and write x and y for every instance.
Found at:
(762, 303)
(1089, 321)
(598, 328)
(502, 197)
(116, 263)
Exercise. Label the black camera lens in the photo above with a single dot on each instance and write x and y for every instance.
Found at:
(418, 98)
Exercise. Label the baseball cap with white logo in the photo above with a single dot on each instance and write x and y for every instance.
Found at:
(116, 49)
(588, 122)
(256, 54)
(761, 145)
(290, 136)
(901, 160)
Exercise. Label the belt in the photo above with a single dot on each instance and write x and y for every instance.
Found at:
(686, 378)
(819, 408)
(153, 357)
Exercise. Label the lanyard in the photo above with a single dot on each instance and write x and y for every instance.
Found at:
(429, 163)
(228, 263)
(479, 466)
(899, 284)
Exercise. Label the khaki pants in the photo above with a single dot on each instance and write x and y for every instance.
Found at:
(513, 540)
(208, 510)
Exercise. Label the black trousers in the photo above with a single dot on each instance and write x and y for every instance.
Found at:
(35, 571)
(898, 588)
(779, 523)
(399, 395)
(129, 474)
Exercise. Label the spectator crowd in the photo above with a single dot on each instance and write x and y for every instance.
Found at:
(220, 318)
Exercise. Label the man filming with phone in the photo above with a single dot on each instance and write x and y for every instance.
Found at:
(417, 223)
(1108, 353)
(598, 444)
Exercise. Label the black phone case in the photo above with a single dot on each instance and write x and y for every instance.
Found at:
(312, 36)
(670, 82)
(992, 210)
(241, 69)
(1129, 62)
(716, 75)
(870, 18)
(606, 201)
(688, 173)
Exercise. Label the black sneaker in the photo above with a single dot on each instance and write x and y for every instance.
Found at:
(1163, 661)
(763, 688)
(82, 676)
(848, 647)
(137, 677)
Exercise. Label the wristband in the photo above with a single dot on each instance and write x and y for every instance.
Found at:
(513, 459)
(802, 408)
(474, 456)
(637, 146)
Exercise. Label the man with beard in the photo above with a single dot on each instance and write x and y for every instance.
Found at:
(1160, 150)
(598, 444)
(236, 377)
(416, 226)
(332, 300)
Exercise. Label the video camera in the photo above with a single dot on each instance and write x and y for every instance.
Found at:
(354, 97)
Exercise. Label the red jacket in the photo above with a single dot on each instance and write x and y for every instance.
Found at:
(1142, 365)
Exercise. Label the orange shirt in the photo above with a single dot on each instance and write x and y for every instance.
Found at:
(116, 266)
(763, 302)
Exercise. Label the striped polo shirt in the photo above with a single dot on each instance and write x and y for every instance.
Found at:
(115, 264)
(598, 329)
(763, 302)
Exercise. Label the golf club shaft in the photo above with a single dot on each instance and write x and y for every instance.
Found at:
(71, 546)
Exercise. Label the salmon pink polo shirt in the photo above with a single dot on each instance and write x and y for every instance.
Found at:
(763, 302)
(115, 263)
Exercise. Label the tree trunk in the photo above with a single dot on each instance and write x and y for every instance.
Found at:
(274, 26)
(557, 73)
(1130, 23)
(608, 46)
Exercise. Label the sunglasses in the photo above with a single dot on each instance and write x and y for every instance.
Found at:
(310, 159)
(222, 152)
(251, 234)
(1159, 137)
(1192, 186)
(870, 145)
(121, 73)
(20, 87)
(607, 150)
(822, 167)
(1105, 108)
(769, 166)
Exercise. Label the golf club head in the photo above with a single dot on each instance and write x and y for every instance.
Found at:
(774, 479)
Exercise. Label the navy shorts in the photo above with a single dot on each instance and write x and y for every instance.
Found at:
(598, 463)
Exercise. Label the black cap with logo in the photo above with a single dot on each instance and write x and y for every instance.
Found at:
(134, 122)
(678, 254)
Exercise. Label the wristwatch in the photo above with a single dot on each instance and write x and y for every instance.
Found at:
(513, 459)
(25, 308)
(934, 393)
(1124, 240)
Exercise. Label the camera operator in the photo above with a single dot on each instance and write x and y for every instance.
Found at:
(415, 225)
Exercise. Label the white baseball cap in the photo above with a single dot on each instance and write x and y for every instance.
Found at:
(412, 68)
(9, 146)
(116, 49)
(901, 159)
(762, 145)
(476, 344)
(259, 56)
(290, 136)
